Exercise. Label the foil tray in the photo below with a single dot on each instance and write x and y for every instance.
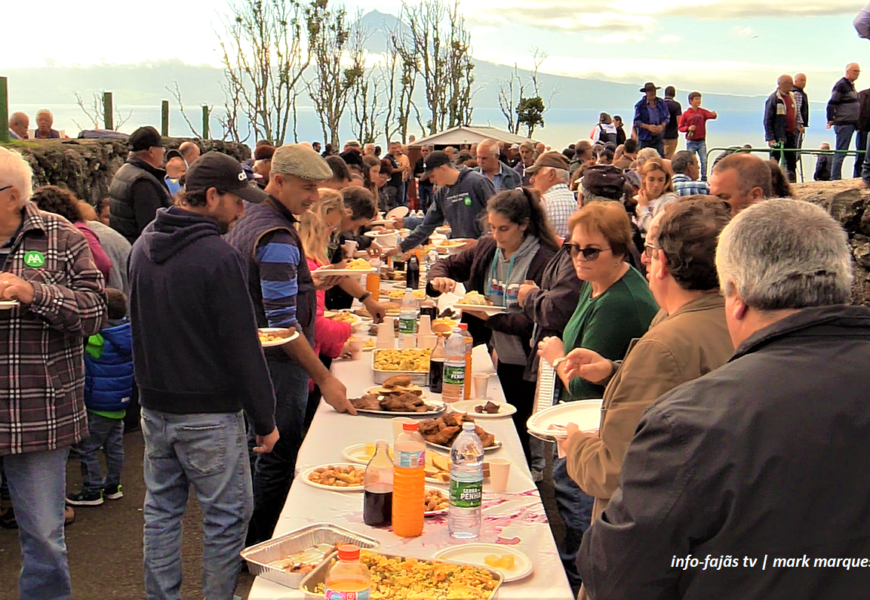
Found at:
(261, 555)
(417, 377)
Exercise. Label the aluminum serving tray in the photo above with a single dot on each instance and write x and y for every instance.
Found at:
(260, 556)
(318, 575)
(417, 377)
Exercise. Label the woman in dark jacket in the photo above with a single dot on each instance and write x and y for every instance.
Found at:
(518, 248)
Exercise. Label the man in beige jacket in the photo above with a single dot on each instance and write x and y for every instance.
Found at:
(687, 340)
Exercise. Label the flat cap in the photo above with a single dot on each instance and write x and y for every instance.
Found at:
(555, 160)
(604, 180)
(300, 161)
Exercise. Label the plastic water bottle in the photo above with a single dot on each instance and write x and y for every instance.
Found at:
(466, 485)
(453, 382)
(408, 321)
(348, 577)
(409, 482)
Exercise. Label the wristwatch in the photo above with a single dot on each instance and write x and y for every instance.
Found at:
(365, 297)
(558, 362)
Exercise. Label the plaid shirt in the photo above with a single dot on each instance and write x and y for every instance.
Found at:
(41, 367)
(559, 204)
(684, 186)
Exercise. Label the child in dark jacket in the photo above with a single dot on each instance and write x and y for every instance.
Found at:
(108, 386)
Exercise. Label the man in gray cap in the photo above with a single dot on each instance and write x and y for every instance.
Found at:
(602, 183)
(138, 189)
(283, 290)
(549, 175)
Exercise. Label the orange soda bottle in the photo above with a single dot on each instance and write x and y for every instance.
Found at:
(409, 460)
(373, 281)
(348, 579)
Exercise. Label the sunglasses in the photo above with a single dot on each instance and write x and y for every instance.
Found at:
(648, 250)
(589, 254)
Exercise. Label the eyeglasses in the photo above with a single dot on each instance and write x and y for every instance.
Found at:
(589, 254)
(648, 250)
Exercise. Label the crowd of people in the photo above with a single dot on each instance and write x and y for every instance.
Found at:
(710, 316)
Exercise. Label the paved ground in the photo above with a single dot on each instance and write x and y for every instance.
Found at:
(105, 543)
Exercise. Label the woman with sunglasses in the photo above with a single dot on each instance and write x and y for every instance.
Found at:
(517, 249)
(656, 192)
(615, 307)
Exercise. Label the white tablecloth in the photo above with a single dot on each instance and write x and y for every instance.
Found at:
(518, 513)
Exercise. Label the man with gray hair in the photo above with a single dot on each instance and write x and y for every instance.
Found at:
(52, 298)
(782, 124)
(489, 165)
(549, 175)
(843, 110)
(726, 487)
(19, 123)
(686, 173)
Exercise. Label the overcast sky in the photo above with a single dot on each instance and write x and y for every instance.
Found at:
(737, 46)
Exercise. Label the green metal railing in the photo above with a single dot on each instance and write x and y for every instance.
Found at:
(801, 152)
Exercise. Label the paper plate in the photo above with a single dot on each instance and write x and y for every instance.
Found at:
(379, 234)
(399, 212)
(308, 472)
(550, 422)
(357, 454)
(476, 553)
(8, 304)
(435, 408)
(490, 310)
(343, 272)
(467, 407)
(280, 342)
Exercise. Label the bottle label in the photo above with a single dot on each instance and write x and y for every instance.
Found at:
(454, 375)
(407, 325)
(411, 460)
(466, 494)
(336, 595)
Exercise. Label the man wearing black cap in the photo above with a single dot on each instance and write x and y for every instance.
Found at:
(651, 115)
(138, 189)
(461, 196)
(549, 175)
(198, 367)
(602, 183)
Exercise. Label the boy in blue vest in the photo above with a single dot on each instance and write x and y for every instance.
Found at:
(108, 385)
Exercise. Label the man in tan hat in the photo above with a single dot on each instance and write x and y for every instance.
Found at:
(283, 290)
(549, 175)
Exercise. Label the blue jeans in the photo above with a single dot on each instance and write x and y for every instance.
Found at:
(700, 148)
(208, 451)
(657, 143)
(575, 508)
(37, 484)
(844, 138)
(107, 434)
(425, 193)
(273, 472)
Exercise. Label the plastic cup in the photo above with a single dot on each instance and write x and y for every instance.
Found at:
(397, 425)
(350, 247)
(387, 334)
(426, 340)
(424, 325)
(356, 348)
(499, 472)
(481, 382)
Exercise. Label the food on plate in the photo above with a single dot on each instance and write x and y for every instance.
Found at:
(444, 430)
(435, 500)
(337, 476)
(506, 561)
(366, 402)
(370, 343)
(362, 312)
(400, 578)
(399, 294)
(358, 264)
(396, 381)
(274, 336)
(448, 243)
(438, 467)
(395, 398)
(475, 299)
(371, 448)
(383, 391)
(304, 561)
(446, 321)
(490, 408)
(410, 359)
(342, 317)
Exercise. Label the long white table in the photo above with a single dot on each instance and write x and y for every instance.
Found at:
(516, 514)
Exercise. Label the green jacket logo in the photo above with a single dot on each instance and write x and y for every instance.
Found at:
(34, 259)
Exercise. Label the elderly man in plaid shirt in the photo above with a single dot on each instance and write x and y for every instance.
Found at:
(51, 296)
(686, 175)
(549, 175)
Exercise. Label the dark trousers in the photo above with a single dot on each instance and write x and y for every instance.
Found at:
(657, 143)
(791, 142)
(314, 397)
(425, 193)
(575, 508)
(861, 146)
(274, 472)
(521, 394)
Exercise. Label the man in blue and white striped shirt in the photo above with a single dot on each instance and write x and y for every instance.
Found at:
(686, 173)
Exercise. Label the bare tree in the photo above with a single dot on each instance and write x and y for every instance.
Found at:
(509, 94)
(96, 112)
(400, 75)
(366, 106)
(518, 108)
(264, 53)
(461, 71)
(338, 41)
(230, 121)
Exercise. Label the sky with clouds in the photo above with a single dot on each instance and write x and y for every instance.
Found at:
(730, 46)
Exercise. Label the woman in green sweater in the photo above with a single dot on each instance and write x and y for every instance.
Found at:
(615, 307)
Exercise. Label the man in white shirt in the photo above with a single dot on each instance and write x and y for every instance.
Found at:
(549, 176)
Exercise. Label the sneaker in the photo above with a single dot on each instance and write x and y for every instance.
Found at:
(86, 498)
(69, 515)
(7, 519)
(113, 492)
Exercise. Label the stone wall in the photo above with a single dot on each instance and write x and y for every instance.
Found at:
(86, 167)
(848, 202)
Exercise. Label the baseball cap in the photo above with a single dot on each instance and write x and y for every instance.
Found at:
(604, 180)
(515, 147)
(436, 159)
(221, 171)
(300, 161)
(172, 154)
(555, 160)
(143, 139)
